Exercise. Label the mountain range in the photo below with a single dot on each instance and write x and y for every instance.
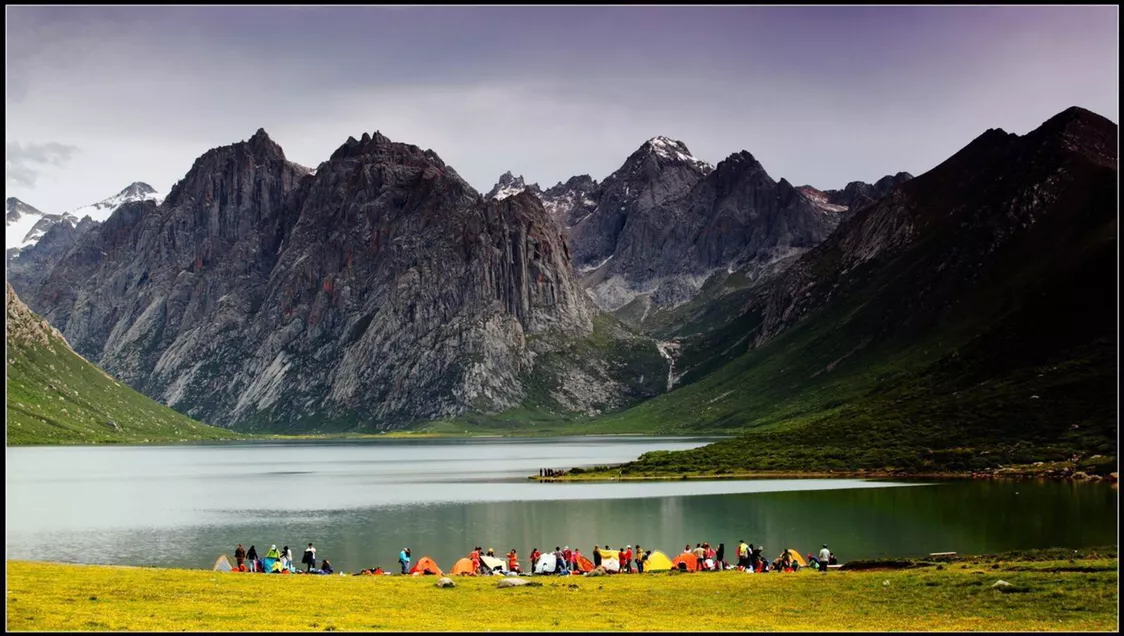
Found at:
(380, 291)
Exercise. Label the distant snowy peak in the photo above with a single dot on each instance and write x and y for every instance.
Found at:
(675, 151)
(17, 209)
(102, 210)
(24, 225)
(510, 185)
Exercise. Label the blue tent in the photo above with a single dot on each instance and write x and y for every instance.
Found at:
(270, 565)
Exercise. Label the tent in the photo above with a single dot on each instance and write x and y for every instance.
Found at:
(546, 564)
(222, 564)
(687, 558)
(657, 562)
(493, 564)
(425, 565)
(795, 556)
(269, 564)
(611, 565)
(584, 564)
(464, 567)
(609, 554)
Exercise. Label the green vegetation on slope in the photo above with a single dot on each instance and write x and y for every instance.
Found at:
(951, 355)
(1064, 595)
(54, 396)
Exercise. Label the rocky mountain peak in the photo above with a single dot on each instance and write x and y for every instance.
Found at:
(15, 209)
(137, 190)
(510, 185)
(223, 165)
(669, 151)
(577, 182)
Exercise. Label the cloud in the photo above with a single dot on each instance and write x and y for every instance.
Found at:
(24, 162)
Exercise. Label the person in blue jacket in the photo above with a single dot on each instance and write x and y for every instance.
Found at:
(404, 560)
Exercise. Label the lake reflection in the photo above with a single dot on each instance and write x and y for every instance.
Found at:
(362, 501)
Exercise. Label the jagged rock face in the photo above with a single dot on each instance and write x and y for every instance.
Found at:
(734, 217)
(381, 291)
(857, 194)
(28, 267)
(660, 171)
(933, 237)
(571, 202)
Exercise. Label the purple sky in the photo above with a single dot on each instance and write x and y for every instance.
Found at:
(100, 97)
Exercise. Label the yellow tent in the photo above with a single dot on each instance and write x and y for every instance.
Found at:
(609, 554)
(795, 556)
(657, 562)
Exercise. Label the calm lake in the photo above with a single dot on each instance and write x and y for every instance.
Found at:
(360, 502)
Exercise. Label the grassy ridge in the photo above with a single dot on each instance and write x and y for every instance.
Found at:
(918, 366)
(1062, 595)
(54, 396)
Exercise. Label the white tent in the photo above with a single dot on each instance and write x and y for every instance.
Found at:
(222, 564)
(611, 565)
(493, 564)
(546, 564)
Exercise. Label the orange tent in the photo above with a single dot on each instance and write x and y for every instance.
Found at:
(584, 564)
(691, 560)
(464, 566)
(426, 565)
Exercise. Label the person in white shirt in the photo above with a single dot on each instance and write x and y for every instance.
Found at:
(825, 558)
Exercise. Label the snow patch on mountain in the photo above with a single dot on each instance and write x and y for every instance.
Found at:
(24, 224)
(673, 150)
(103, 209)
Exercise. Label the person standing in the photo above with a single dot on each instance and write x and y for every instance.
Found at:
(535, 554)
(309, 557)
(568, 556)
(252, 555)
(240, 555)
(286, 559)
(474, 556)
(513, 562)
(639, 559)
(404, 560)
(596, 556)
(720, 556)
(825, 558)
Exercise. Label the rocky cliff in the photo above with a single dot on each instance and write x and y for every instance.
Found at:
(379, 291)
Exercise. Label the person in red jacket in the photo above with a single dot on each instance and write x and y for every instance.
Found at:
(535, 554)
(567, 555)
(475, 557)
(513, 562)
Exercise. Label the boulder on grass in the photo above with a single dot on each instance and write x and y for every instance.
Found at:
(514, 582)
(445, 582)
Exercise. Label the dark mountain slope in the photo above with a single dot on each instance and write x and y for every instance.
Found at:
(968, 314)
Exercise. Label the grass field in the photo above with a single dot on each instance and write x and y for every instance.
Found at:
(1060, 594)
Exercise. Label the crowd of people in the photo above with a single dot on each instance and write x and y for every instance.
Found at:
(278, 561)
(626, 560)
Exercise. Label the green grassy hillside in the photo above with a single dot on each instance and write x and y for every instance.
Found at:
(988, 339)
(54, 396)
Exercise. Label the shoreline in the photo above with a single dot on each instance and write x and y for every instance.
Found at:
(999, 473)
(1008, 592)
